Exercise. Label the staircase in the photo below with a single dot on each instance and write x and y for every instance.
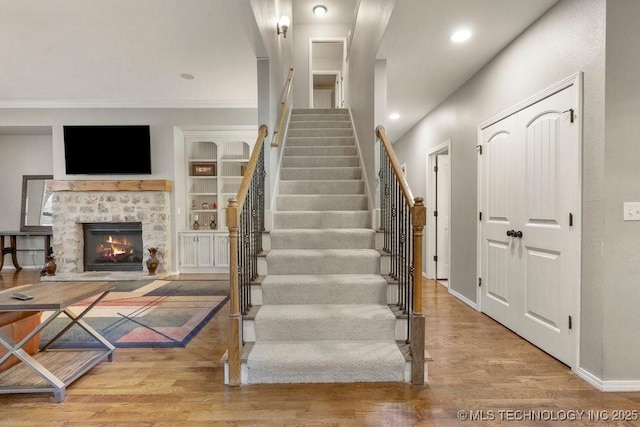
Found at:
(320, 314)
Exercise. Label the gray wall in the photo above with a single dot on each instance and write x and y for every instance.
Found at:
(621, 272)
(569, 38)
(373, 16)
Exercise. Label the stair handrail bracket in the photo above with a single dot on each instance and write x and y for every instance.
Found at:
(245, 222)
(277, 134)
(402, 214)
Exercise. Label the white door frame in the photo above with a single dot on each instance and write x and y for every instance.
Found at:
(443, 148)
(342, 40)
(573, 80)
(338, 73)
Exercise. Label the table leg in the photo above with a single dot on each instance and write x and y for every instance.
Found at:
(14, 253)
(3, 252)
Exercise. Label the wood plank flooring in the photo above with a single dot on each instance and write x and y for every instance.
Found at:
(478, 365)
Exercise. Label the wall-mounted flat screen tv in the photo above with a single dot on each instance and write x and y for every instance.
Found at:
(108, 150)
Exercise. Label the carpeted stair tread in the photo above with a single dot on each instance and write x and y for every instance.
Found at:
(323, 261)
(337, 238)
(315, 132)
(322, 150)
(325, 362)
(315, 141)
(320, 124)
(313, 322)
(336, 186)
(319, 161)
(328, 288)
(317, 202)
(321, 173)
(322, 219)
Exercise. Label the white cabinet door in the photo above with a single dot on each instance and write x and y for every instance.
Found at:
(196, 250)
(222, 250)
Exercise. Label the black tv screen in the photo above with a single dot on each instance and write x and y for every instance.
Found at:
(97, 150)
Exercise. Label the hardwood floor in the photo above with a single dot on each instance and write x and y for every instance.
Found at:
(478, 365)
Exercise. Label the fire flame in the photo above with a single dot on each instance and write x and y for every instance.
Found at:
(113, 247)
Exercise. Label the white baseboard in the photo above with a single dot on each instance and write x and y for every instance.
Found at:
(609, 386)
(589, 377)
(464, 299)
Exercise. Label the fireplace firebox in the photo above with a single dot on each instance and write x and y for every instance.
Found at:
(113, 246)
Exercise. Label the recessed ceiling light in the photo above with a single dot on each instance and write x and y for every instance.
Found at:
(394, 116)
(187, 76)
(319, 10)
(461, 35)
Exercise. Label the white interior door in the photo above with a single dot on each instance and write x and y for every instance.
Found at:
(442, 206)
(528, 254)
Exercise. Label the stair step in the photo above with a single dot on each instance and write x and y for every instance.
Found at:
(296, 111)
(295, 117)
(315, 202)
(323, 261)
(328, 288)
(339, 238)
(345, 123)
(350, 186)
(334, 151)
(318, 322)
(322, 219)
(320, 173)
(319, 132)
(313, 141)
(326, 362)
(319, 161)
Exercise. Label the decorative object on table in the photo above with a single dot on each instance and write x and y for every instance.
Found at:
(205, 205)
(51, 265)
(196, 224)
(203, 169)
(214, 205)
(152, 262)
(213, 225)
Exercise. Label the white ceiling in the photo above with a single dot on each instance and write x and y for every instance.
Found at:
(338, 12)
(424, 67)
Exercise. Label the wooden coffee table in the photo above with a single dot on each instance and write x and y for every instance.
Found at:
(50, 370)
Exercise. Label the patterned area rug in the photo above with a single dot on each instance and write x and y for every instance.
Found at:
(156, 313)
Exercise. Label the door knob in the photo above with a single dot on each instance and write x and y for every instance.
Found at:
(518, 234)
(511, 233)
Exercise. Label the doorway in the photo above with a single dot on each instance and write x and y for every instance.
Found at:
(529, 212)
(326, 70)
(438, 235)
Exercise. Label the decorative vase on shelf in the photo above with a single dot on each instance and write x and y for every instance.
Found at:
(152, 262)
(51, 266)
(196, 225)
(213, 225)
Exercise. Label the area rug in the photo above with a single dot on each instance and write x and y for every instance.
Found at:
(156, 313)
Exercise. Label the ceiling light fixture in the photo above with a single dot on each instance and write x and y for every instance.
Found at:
(394, 116)
(187, 76)
(461, 35)
(319, 10)
(283, 25)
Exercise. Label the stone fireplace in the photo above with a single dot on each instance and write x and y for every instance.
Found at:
(112, 246)
(76, 203)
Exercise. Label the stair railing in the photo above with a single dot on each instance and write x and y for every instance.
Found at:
(245, 221)
(277, 134)
(402, 221)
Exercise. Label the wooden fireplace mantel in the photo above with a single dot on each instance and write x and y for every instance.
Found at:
(120, 185)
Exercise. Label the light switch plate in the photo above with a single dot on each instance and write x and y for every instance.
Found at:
(631, 211)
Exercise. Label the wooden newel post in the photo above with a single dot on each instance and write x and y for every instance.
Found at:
(235, 320)
(419, 219)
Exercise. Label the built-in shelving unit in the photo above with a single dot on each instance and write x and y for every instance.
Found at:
(216, 161)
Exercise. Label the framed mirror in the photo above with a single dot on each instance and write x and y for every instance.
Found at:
(35, 210)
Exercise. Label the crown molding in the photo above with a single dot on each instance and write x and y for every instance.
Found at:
(105, 103)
